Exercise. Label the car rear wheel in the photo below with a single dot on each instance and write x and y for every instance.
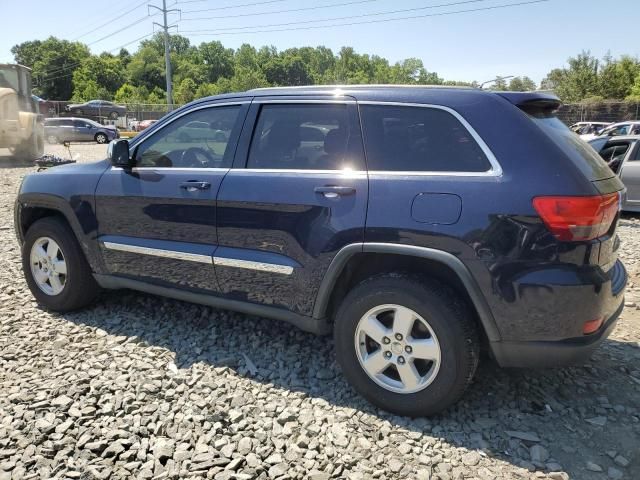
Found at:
(55, 268)
(52, 139)
(408, 345)
(101, 138)
(113, 115)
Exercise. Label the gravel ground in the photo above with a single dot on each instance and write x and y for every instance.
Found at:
(144, 387)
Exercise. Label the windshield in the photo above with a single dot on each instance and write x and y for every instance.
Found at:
(9, 78)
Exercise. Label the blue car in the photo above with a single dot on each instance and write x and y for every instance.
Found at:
(419, 225)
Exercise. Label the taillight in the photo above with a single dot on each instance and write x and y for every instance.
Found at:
(578, 218)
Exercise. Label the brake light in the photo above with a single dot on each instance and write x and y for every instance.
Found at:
(578, 218)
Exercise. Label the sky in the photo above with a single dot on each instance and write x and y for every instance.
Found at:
(528, 39)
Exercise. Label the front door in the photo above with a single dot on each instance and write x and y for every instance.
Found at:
(157, 221)
(298, 199)
(82, 131)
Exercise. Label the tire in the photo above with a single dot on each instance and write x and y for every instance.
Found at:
(79, 288)
(101, 138)
(31, 149)
(441, 321)
(53, 140)
(113, 115)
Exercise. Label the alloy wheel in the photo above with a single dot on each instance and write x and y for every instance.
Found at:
(48, 266)
(397, 348)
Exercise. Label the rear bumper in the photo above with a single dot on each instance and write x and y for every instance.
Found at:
(567, 351)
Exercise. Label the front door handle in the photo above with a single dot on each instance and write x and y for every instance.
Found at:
(334, 191)
(194, 185)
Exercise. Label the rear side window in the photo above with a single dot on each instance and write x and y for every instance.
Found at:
(304, 137)
(413, 139)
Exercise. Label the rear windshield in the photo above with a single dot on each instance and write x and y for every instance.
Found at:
(581, 153)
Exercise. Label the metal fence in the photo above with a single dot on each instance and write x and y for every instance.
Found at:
(571, 113)
(136, 112)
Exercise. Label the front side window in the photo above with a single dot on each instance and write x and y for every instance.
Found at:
(413, 139)
(80, 124)
(307, 137)
(198, 139)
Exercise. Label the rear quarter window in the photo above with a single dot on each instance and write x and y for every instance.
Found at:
(580, 152)
(419, 139)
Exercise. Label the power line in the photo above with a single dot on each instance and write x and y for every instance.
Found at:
(440, 14)
(110, 21)
(348, 17)
(135, 22)
(317, 7)
(230, 7)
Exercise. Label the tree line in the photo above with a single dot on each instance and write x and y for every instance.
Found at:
(65, 70)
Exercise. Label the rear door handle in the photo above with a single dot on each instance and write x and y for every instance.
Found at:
(333, 191)
(194, 185)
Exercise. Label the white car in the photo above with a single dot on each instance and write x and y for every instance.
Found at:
(588, 128)
(631, 127)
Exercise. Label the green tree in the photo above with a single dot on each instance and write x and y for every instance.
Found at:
(522, 84)
(617, 77)
(53, 62)
(218, 61)
(185, 91)
(105, 71)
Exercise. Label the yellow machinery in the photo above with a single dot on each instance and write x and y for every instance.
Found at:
(21, 125)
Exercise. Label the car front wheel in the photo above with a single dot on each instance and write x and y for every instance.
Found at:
(408, 345)
(55, 268)
(101, 138)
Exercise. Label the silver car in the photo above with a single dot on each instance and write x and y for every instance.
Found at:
(58, 130)
(622, 154)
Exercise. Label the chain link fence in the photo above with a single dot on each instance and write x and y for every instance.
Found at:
(571, 113)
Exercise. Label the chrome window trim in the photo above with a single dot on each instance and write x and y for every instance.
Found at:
(311, 100)
(175, 169)
(158, 252)
(344, 173)
(251, 265)
(494, 171)
(135, 143)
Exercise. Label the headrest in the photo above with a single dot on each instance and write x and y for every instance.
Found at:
(335, 141)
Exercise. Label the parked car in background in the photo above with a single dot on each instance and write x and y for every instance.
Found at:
(200, 132)
(144, 124)
(588, 128)
(478, 221)
(97, 108)
(58, 130)
(622, 154)
(616, 129)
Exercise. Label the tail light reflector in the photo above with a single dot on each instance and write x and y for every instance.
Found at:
(592, 326)
(578, 218)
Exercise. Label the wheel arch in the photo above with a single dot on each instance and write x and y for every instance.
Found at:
(354, 263)
(31, 207)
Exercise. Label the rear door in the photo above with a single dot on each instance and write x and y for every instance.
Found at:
(290, 203)
(157, 221)
(630, 175)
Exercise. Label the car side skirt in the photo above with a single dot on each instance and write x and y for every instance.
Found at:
(308, 324)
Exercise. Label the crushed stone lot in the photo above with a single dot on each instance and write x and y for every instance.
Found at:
(139, 386)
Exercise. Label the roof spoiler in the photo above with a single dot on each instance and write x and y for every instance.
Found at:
(533, 101)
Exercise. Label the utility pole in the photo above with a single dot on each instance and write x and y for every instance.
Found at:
(167, 58)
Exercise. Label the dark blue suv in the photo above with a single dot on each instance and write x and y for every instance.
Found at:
(421, 225)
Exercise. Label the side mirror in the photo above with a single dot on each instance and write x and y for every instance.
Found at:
(118, 154)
